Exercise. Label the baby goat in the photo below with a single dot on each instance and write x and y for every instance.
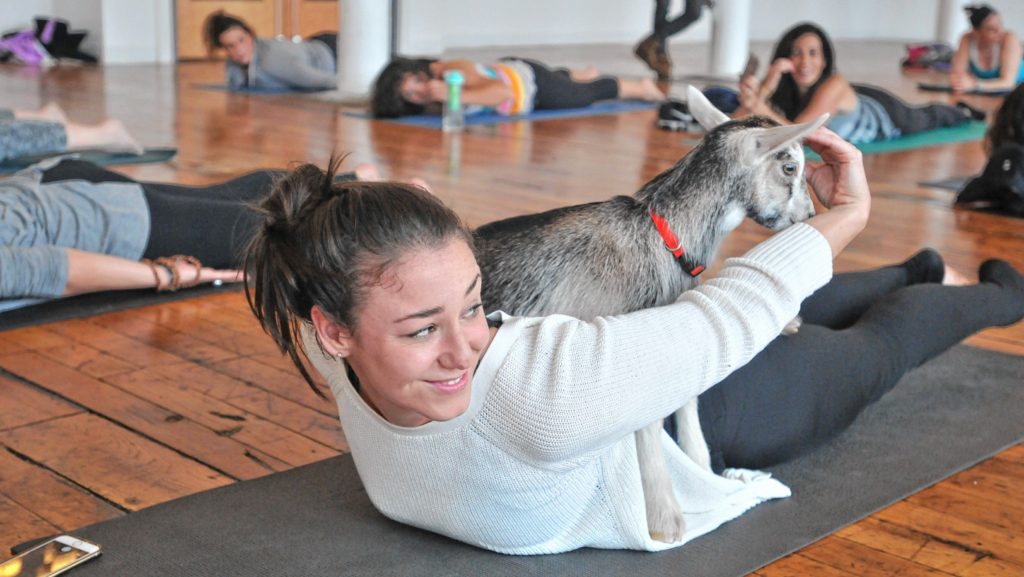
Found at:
(610, 257)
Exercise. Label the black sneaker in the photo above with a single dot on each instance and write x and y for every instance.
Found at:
(675, 115)
(970, 111)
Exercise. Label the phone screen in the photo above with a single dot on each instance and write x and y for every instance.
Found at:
(50, 558)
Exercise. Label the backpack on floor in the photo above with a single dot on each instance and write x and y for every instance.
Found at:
(1000, 187)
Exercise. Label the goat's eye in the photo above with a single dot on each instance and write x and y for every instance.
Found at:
(789, 169)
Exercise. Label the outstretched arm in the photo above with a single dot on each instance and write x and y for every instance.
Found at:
(94, 272)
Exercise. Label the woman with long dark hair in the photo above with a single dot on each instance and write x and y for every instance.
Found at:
(802, 84)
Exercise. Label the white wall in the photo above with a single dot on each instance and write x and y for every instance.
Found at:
(143, 30)
(430, 26)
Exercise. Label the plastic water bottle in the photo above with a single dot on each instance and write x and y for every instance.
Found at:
(454, 119)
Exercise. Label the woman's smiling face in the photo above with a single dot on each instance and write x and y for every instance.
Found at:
(808, 59)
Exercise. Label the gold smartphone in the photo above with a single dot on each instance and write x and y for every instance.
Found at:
(50, 558)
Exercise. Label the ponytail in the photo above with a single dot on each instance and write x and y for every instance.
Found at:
(325, 243)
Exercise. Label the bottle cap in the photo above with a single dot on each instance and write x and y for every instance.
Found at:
(454, 77)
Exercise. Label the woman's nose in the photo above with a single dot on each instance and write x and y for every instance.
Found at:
(458, 353)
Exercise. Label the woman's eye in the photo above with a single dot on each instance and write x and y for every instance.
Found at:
(789, 168)
(424, 332)
(474, 310)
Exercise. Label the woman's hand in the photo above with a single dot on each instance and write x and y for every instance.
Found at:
(841, 180)
(841, 185)
(438, 90)
(960, 82)
(750, 88)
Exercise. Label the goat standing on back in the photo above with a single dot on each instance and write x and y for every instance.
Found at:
(607, 258)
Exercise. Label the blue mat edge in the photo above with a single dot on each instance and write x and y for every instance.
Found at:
(597, 109)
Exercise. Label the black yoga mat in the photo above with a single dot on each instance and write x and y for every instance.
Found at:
(48, 311)
(100, 157)
(316, 520)
(942, 87)
(954, 183)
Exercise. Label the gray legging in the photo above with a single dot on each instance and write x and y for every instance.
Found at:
(19, 137)
(861, 333)
(912, 119)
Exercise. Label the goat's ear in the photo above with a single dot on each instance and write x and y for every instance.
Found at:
(771, 140)
(701, 108)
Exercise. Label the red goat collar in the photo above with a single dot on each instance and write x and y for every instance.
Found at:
(674, 246)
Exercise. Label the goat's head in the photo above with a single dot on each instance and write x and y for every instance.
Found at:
(766, 160)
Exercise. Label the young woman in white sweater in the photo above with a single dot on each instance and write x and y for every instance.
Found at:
(516, 434)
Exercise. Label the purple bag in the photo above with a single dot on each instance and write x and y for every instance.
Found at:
(24, 47)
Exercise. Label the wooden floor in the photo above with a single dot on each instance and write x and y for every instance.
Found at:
(111, 414)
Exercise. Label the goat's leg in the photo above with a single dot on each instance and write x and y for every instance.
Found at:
(664, 515)
(691, 436)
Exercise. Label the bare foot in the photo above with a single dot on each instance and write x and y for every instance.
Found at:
(420, 183)
(651, 90)
(644, 89)
(108, 135)
(367, 172)
(584, 74)
(50, 112)
(954, 277)
(53, 111)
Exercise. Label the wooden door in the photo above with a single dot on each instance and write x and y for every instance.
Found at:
(267, 18)
(260, 15)
(304, 18)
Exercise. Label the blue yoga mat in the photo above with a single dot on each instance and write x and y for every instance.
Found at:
(597, 109)
(966, 132)
(254, 89)
(100, 157)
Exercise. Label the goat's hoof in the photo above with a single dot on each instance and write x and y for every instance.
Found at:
(667, 527)
(792, 327)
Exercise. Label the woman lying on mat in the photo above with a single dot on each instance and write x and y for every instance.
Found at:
(1000, 186)
(802, 84)
(516, 434)
(25, 133)
(510, 86)
(76, 228)
(267, 63)
(988, 56)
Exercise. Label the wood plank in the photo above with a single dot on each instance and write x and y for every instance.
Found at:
(20, 525)
(186, 395)
(220, 452)
(110, 461)
(62, 504)
(21, 405)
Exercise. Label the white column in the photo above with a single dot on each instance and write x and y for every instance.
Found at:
(364, 44)
(951, 21)
(730, 37)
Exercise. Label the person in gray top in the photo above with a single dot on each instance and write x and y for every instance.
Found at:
(69, 227)
(254, 62)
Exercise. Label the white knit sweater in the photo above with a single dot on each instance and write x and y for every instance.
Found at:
(544, 460)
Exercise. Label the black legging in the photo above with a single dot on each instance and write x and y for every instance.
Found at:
(663, 27)
(861, 333)
(556, 89)
(212, 223)
(912, 119)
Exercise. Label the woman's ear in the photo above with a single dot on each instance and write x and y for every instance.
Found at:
(334, 337)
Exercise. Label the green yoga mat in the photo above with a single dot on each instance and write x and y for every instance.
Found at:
(100, 157)
(967, 132)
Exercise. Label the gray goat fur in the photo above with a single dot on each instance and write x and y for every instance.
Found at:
(606, 258)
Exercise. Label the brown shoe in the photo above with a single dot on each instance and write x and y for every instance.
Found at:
(653, 54)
